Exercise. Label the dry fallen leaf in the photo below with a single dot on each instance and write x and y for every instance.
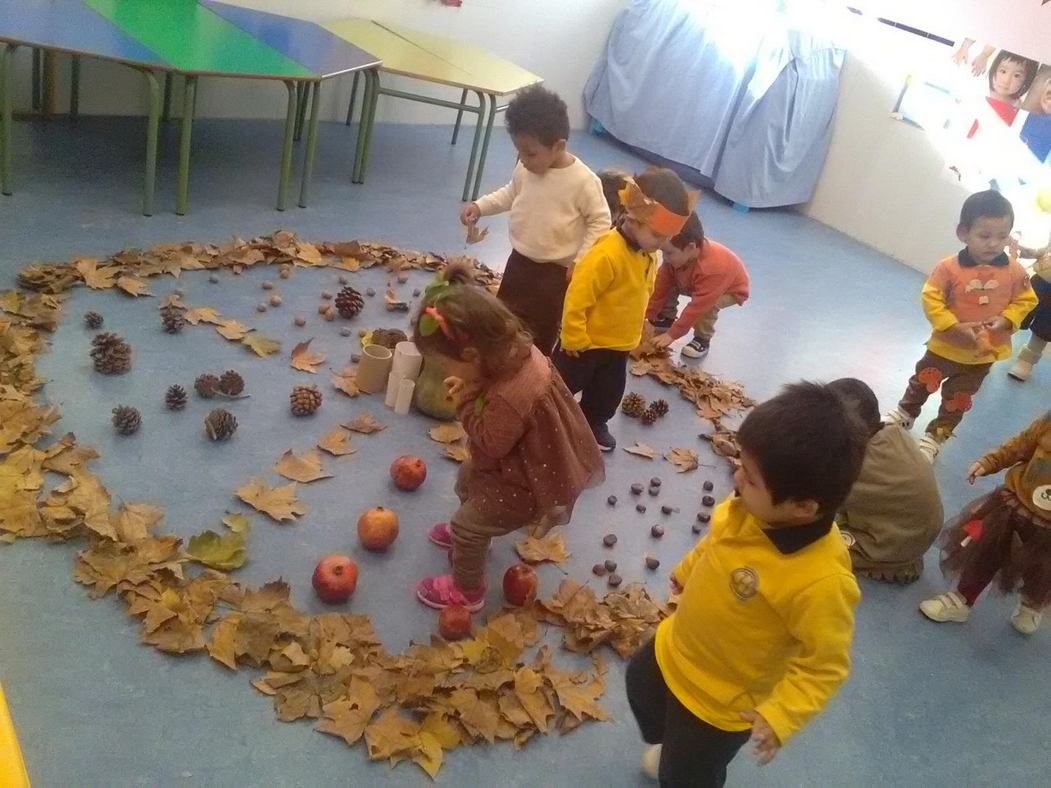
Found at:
(280, 503)
(336, 442)
(683, 459)
(392, 301)
(364, 423)
(132, 285)
(301, 469)
(305, 361)
(346, 380)
(134, 521)
(447, 433)
(641, 450)
(476, 234)
(546, 548)
(221, 552)
(458, 452)
(202, 314)
(237, 522)
(262, 346)
(232, 330)
(94, 277)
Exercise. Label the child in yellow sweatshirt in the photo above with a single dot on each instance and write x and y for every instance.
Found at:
(606, 301)
(759, 642)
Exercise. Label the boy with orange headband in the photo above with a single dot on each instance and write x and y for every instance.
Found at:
(606, 301)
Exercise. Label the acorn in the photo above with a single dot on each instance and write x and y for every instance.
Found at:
(657, 531)
(179, 292)
(326, 294)
(703, 517)
(708, 501)
(697, 528)
(285, 272)
(275, 300)
(668, 509)
(655, 481)
(267, 285)
(322, 308)
(214, 279)
(355, 357)
(611, 565)
(300, 321)
(612, 500)
(343, 279)
(416, 293)
(708, 486)
(260, 307)
(403, 277)
(636, 489)
(599, 570)
(370, 292)
(652, 563)
(654, 491)
(609, 540)
(329, 315)
(346, 331)
(640, 508)
(615, 580)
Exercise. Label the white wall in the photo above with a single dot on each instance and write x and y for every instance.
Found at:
(559, 40)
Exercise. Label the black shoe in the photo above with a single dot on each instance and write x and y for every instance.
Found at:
(663, 323)
(605, 441)
(696, 348)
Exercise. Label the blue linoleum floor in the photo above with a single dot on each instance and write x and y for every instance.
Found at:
(926, 705)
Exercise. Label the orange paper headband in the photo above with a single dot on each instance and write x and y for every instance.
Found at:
(650, 212)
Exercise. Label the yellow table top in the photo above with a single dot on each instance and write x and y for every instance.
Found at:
(434, 58)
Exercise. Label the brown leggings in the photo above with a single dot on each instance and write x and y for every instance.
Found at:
(958, 382)
(535, 292)
(472, 532)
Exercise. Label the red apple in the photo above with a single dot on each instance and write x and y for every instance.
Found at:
(520, 584)
(454, 623)
(408, 472)
(377, 529)
(335, 578)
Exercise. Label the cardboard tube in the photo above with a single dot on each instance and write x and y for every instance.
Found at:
(405, 391)
(407, 360)
(393, 382)
(374, 368)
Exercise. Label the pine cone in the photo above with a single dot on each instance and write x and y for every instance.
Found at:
(649, 416)
(111, 354)
(388, 337)
(231, 383)
(175, 398)
(349, 302)
(172, 319)
(220, 424)
(660, 407)
(126, 420)
(206, 385)
(93, 320)
(305, 400)
(633, 405)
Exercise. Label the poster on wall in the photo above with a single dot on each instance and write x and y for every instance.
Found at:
(989, 112)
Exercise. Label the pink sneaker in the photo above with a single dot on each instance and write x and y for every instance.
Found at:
(441, 591)
(441, 536)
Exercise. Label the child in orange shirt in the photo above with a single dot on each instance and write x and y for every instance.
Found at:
(708, 272)
(975, 301)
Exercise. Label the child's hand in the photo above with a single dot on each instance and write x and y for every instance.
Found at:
(569, 271)
(766, 742)
(966, 331)
(675, 587)
(661, 341)
(571, 353)
(998, 324)
(470, 214)
(975, 471)
(454, 386)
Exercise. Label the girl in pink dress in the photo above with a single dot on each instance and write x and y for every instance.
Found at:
(532, 451)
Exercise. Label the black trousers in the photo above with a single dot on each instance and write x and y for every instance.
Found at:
(694, 754)
(600, 375)
(535, 292)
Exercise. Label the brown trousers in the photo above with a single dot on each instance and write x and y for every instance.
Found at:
(535, 292)
(472, 532)
(958, 382)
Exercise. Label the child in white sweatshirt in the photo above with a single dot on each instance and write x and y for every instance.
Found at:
(557, 210)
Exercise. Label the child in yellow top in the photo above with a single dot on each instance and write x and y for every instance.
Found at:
(975, 301)
(606, 301)
(761, 636)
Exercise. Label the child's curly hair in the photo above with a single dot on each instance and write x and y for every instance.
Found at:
(539, 113)
(469, 316)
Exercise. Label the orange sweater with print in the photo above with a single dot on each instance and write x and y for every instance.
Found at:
(1028, 458)
(960, 291)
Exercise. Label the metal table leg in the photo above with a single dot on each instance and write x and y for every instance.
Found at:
(485, 146)
(168, 77)
(188, 99)
(359, 148)
(474, 145)
(38, 78)
(369, 121)
(6, 68)
(459, 116)
(301, 109)
(353, 97)
(74, 87)
(308, 156)
(286, 146)
(152, 126)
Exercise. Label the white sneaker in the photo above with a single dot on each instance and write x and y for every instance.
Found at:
(1021, 370)
(651, 762)
(899, 417)
(946, 607)
(929, 447)
(1026, 619)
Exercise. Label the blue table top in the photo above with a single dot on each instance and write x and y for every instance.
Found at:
(71, 27)
(307, 43)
